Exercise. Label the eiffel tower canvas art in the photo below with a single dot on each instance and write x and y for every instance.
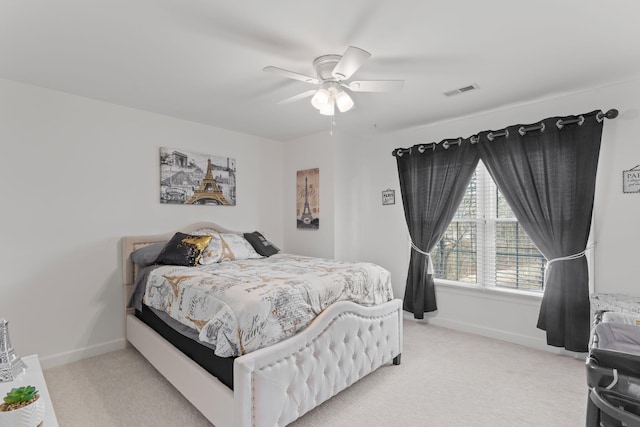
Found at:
(196, 179)
(308, 199)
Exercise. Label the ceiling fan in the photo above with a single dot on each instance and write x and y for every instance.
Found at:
(333, 74)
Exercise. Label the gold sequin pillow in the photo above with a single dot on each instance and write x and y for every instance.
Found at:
(183, 249)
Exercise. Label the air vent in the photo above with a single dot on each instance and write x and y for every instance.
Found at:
(462, 90)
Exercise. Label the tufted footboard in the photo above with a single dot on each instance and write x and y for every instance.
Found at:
(276, 385)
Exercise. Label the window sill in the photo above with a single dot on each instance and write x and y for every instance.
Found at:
(490, 290)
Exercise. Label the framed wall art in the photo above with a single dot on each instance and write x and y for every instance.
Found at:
(308, 199)
(388, 197)
(631, 180)
(196, 179)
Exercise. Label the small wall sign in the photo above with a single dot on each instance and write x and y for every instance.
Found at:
(631, 180)
(389, 197)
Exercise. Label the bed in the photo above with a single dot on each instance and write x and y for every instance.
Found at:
(276, 384)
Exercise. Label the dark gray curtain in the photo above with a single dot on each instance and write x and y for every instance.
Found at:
(548, 178)
(432, 184)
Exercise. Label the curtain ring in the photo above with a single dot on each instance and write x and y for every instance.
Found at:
(521, 131)
(399, 152)
(490, 136)
(433, 146)
(580, 120)
(559, 124)
(600, 117)
(474, 139)
(542, 127)
(421, 149)
(445, 145)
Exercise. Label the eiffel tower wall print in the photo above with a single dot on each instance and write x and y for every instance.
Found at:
(196, 179)
(308, 199)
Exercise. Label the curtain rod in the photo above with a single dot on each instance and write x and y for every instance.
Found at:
(446, 143)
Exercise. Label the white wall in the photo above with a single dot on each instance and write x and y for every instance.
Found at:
(79, 174)
(315, 151)
(366, 230)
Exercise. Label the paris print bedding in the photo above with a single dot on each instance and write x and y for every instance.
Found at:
(241, 306)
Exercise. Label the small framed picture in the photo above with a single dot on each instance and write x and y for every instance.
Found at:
(631, 180)
(389, 197)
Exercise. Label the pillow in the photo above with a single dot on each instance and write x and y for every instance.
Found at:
(148, 254)
(236, 247)
(213, 252)
(260, 244)
(183, 249)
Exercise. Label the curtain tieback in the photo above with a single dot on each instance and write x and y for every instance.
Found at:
(427, 254)
(565, 258)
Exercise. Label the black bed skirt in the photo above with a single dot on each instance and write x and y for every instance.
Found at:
(220, 367)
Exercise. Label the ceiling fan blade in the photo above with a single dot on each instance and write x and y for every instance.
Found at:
(297, 97)
(351, 61)
(291, 75)
(376, 85)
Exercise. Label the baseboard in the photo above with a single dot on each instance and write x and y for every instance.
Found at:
(498, 334)
(82, 353)
(527, 341)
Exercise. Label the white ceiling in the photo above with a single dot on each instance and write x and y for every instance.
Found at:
(202, 60)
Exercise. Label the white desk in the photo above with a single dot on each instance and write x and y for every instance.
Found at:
(33, 376)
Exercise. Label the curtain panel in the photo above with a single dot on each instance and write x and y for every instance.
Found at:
(432, 185)
(548, 178)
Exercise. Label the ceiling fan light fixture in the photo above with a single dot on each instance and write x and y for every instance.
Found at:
(343, 101)
(328, 109)
(320, 98)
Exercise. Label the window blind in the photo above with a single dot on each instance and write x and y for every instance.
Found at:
(485, 244)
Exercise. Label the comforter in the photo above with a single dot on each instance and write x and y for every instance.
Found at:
(241, 306)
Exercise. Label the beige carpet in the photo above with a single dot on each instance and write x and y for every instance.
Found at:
(447, 378)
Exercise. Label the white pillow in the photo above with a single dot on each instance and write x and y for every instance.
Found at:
(213, 251)
(236, 247)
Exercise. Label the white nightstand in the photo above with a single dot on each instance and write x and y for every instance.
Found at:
(33, 376)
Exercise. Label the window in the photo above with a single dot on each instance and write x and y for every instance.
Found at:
(485, 244)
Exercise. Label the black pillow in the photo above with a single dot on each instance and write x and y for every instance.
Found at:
(260, 244)
(183, 249)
